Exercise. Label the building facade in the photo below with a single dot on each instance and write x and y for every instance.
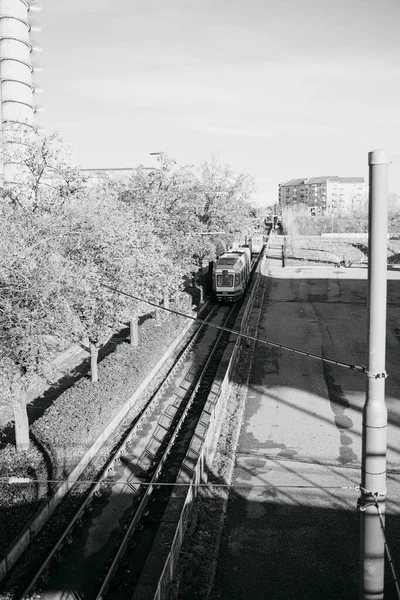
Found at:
(325, 195)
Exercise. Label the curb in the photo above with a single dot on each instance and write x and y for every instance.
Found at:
(218, 533)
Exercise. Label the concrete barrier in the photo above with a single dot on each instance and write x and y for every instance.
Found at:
(345, 236)
(349, 235)
(153, 584)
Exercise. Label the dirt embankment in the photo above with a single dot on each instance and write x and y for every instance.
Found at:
(72, 420)
(314, 251)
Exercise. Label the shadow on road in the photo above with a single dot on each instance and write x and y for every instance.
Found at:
(297, 541)
(301, 539)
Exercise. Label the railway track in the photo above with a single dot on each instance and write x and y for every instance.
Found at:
(124, 574)
(113, 518)
(104, 547)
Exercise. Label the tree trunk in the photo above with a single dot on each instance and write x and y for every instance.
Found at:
(210, 284)
(165, 298)
(197, 283)
(134, 328)
(20, 414)
(94, 353)
(158, 317)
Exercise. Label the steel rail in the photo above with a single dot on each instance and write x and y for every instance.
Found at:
(153, 483)
(115, 456)
(252, 289)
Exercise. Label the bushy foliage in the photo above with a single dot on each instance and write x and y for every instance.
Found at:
(84, 410)
(329, 252)
(63, 236)
(304, 224)
(298, 221)
(43, 177)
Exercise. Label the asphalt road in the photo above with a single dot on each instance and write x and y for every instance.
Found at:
(295, 534)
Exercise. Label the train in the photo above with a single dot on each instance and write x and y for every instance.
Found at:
(231, 274)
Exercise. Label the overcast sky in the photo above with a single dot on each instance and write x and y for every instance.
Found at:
(276, 88)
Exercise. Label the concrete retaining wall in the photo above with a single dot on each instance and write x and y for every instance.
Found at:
(349, 235)
(154, 584)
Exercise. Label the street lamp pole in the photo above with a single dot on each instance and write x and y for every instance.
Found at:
(374, 433)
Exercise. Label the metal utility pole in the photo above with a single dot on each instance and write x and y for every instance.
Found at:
(373, 478)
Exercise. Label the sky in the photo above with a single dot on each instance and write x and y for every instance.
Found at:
(278, 89)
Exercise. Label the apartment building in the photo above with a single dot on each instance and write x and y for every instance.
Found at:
(325, 195)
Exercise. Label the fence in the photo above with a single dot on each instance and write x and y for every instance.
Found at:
(192, 472)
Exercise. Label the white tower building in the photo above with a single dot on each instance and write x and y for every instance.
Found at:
(16, 69)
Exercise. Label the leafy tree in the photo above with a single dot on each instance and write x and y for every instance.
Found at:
(394, 212)
(185, 208)
(93, 243)
(65, 237)
(48, 287)
(160, 214)
(32, 306)
(43, 177)
(226, 196)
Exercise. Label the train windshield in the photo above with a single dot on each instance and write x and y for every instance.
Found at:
(225, 280)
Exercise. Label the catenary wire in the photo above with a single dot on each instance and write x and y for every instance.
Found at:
(26, 480)
(359, 368)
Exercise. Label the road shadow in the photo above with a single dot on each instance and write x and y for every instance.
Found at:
(281, 543)
(287, 543)
(38, 406)
(301, 539)
(296, 538)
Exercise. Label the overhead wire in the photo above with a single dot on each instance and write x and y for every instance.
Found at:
(25, 480)
(359, 368)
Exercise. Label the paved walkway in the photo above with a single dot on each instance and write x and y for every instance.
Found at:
(295, 533)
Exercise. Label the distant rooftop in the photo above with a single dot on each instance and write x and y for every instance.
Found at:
(93, 170)
(112, 170)
(293, 182)
(322, 179)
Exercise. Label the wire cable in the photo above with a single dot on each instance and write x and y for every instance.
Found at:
(359, 368)
(26, 480)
